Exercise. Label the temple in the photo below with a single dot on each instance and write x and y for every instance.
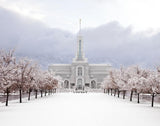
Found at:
(80, 74)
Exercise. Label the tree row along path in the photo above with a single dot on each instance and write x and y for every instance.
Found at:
(78, 109)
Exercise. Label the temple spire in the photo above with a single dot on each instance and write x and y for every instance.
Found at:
(79, 26)
(80, 54)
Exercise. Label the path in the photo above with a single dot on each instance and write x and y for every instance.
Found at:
(70, 109)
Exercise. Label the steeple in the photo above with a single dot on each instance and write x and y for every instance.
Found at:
(79, 26)
(80, 54)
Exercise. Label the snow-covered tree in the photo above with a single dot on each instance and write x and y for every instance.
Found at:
(50, 82)
(7, 69)
(134, 79)
(23, 75)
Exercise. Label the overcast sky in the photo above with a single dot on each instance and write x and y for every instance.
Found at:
(120, 32)
(142, 15)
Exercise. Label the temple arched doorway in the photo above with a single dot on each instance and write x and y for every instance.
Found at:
(66, 84)
(79, 84)
(93, 84)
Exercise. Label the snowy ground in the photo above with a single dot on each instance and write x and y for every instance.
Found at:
(70, 109)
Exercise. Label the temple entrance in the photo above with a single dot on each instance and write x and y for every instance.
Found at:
(93, 84)
(79, 84)
(66, 84)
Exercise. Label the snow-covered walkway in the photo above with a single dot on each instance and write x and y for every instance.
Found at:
(70, 109)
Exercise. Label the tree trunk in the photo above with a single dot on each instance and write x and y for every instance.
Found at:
(7, 98)
(45, 92)
(41, 93)
(153, 99)
(104, 90)
(124, 94)
(118, 93)
(131, 95)
(138, 98)
(108, 91)
(20, 95)
(111, 91)
(115, 92)
(36, 94)
(29, 95)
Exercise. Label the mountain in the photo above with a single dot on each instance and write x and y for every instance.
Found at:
(109, 43)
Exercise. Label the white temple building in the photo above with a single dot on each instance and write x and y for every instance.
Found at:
(80, 74)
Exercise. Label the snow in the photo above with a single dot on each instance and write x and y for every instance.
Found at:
(76, 109)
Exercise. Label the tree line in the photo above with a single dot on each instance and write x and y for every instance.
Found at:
(23, 75)
(135, 80)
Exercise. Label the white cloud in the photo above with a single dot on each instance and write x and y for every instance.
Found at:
(107, 43)
(28, 9)
(64, 14)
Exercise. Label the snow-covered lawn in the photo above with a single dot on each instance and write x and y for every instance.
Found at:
(71, 109)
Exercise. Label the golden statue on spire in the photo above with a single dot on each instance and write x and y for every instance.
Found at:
(79, 25)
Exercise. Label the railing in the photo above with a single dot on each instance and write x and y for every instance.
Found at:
(13, 96)
(132, 95)
(62, 90)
